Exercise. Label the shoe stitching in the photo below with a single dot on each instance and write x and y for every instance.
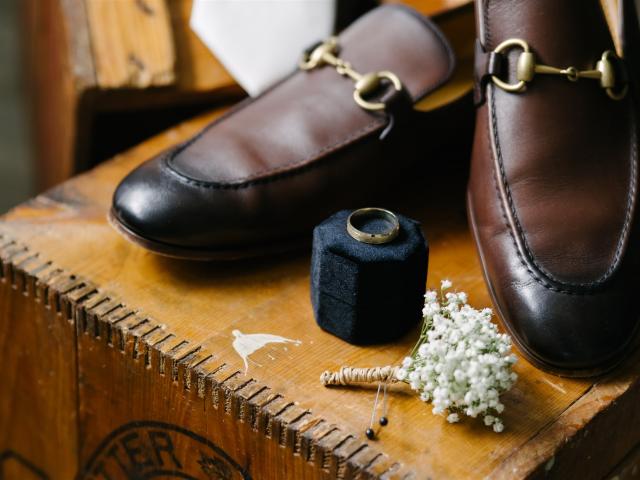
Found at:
(284, 171)
(622, 238)
(522, 260)
(487, 24)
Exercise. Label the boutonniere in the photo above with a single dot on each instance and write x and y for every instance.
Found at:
(461, 363)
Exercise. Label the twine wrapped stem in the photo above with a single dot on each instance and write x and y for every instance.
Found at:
(355, 376)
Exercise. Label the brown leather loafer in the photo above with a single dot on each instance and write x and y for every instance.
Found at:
(553, 187)
(326, 138)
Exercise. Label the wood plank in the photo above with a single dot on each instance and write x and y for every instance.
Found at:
(132, 43)
(611, 9)
(432, 7)
(38, 400)
(56, 80)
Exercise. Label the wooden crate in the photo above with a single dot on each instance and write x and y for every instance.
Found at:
(110, 355)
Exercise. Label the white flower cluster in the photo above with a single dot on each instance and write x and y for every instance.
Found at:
(461, 363)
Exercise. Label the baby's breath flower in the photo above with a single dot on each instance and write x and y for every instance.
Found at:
(431, 296)
(453, 418)
(461, 364)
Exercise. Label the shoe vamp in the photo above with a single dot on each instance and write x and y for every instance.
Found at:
(564, 149)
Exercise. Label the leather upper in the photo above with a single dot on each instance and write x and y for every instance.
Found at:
(553, 188)
(276, 165)
(312, 113)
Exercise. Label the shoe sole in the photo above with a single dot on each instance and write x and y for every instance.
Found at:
(207, 254)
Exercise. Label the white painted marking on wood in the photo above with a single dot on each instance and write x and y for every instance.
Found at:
(557, 387)
(247, 343)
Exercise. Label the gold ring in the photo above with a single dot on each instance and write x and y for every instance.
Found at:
(374, 214)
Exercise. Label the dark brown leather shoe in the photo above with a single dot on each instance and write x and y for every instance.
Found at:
(553, 187)
(259, 179)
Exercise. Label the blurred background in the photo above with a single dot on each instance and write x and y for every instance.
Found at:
(83, 80)
(16, 180)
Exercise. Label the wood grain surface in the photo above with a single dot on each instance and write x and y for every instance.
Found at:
(132, 43)
(38, 377)
(55, 79)
(153, 343)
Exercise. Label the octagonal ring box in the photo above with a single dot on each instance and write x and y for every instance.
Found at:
(365, 293)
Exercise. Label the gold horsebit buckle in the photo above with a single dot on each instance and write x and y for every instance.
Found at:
(365, 84)
(527, 68)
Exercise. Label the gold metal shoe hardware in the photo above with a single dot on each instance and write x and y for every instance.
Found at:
(527, 68)
(365, 84)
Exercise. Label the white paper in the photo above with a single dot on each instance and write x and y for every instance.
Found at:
(260, 41)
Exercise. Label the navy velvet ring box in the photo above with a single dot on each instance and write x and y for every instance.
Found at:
(365, 293)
